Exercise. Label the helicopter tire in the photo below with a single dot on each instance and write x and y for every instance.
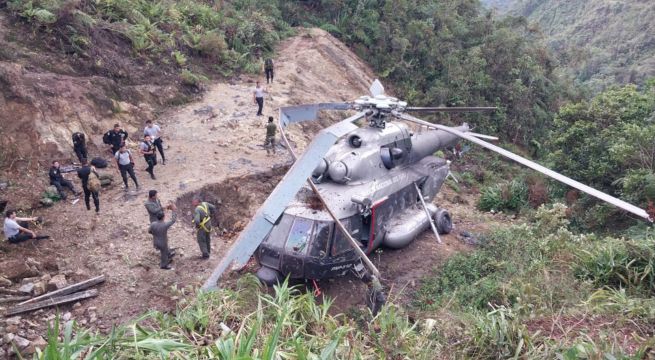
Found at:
(443, 221)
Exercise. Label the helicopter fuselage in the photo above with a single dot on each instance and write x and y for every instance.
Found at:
(368, 179)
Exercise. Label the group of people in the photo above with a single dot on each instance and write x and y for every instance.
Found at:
(202, 217)
(17, 229)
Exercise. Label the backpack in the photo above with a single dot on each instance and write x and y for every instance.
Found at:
(106, 138)
(94, 182)
(268, 63)
(99, 162)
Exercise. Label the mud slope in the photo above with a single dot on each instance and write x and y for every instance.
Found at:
(213, 148)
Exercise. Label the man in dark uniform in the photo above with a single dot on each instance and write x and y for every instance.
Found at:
(153, 205)
(57, 179)
(79, 145)
(268, 69)
(116, 138)
(202, 220)
(269, 143)
(148, 149)
(159, 231)
(84, 173)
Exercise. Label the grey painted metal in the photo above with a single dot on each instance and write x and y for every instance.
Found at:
(427, 213)
(531, 164)
(284, 192)
(307, 112)
(405, 227)
(334, 217)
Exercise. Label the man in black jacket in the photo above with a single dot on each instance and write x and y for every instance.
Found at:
(115, 138)
(83, 173)
(57, 179)
(79, 145)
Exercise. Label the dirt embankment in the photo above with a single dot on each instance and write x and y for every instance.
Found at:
(213, 150)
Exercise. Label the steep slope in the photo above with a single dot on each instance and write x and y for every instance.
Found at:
(603, 42)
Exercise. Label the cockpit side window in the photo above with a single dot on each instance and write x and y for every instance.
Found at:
(299, 235)
(340, 243)
(319, 247)
(278, 234)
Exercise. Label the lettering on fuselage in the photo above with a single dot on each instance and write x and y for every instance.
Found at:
(341, 267)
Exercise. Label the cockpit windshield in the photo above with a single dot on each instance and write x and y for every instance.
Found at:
(299, 235)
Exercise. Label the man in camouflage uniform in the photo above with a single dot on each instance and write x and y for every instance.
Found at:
(269, 143)
(202, 221)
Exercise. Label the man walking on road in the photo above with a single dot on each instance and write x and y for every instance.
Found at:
(153, 205)
(155, 134)
(258, 96)
(126, 165)
(159, 231)
(202, 220)
(58, 181)
(269, 143)
(268, 69)
(147, 148)
(85, 173)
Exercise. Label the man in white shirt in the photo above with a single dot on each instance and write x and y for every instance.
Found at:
(155, 134)
(16, 229)
(126, 165)
(258, 96)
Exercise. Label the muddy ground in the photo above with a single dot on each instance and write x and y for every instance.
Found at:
(214, 150)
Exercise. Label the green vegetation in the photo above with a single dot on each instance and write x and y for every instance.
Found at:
(448, 53)
(600, 42)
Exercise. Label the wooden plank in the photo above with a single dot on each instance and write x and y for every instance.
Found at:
(10, 292)
(9, 299)
(67, 290)
(51, 302)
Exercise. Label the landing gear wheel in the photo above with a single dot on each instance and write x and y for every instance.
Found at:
(443, 221)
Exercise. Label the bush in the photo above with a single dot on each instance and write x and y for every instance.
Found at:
(190, 79)
(506, 196)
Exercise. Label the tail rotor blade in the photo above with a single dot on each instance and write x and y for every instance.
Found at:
(533, 165)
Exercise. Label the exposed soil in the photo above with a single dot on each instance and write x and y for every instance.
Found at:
(214, 151)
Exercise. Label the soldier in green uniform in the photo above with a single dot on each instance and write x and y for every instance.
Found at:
(202, 220)
(271, 129)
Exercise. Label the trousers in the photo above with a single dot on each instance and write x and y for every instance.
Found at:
(60, 185)
(128, 169)
(269, 75)
(204, 242)
(81, 153)
(260, 105)
(87, 197)
(159, 143)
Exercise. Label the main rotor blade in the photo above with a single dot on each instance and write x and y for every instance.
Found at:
(445, 109)
(309, 112)
(263, 221)
(533, 165)
(483, 136)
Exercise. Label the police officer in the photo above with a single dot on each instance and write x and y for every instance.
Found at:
(126, 165)
(79, 146)
(58, 181)
(116, 138)
(202, 221)
(148, 150)
(84, 173)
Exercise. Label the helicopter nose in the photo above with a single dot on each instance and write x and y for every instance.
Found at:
(268, 276)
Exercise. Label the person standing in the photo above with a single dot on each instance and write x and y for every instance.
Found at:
(159, 231)
(79, 146)
(153, 206)
(202, 221)
(58, 181)
(126, 165)
(269, 143)
(85, 173)
(115, 138)
(268, 69)
(148, 149)
(17, 229)
(155, 134)
(258, 97)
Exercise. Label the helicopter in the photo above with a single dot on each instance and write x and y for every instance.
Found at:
(357, 188)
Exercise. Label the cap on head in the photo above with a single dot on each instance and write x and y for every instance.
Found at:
(152, 193)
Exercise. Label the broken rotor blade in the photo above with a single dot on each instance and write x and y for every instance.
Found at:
(445, 109)
(308, 112)
(483, 136)
(533, 165)
(285, 191)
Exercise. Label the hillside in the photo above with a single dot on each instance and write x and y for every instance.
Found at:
(600, 42)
